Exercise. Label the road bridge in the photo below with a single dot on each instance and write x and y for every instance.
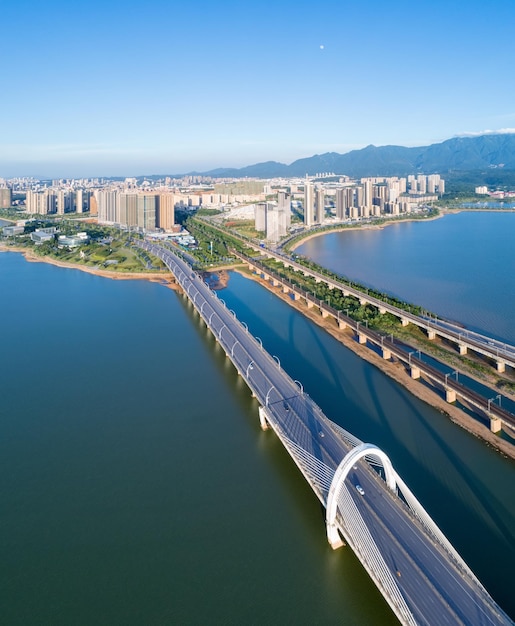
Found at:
(414, 566)
(389, 347)
(501, 353)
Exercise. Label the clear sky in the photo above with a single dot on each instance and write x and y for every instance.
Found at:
(124, 88)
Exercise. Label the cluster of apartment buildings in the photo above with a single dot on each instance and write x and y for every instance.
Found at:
(126, 203)
(369, 197)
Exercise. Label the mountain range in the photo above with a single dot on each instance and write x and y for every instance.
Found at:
(458, 153)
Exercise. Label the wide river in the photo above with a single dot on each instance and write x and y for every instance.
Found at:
(461, 267)
(136, 484)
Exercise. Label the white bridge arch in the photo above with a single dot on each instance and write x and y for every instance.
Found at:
(342, 471)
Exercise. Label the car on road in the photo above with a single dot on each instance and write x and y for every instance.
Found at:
(360, 490)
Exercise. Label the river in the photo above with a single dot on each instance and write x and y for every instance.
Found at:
(137, 486)
(461, 266)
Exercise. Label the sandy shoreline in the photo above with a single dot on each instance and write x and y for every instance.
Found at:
(365, 227)
(160, 277)
(396, 371)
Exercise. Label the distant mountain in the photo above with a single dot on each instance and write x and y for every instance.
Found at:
(459, 153)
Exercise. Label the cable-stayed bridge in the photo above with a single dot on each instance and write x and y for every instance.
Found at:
(368, 505)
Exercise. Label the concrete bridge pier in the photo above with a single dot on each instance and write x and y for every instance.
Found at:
(431, 334)
(342, 325)
(415, 372)
(387, 354)
(362, 338)
(275, 282)
(462, 348)
(324, 312)
(404, 321)
(495, 424)
(501, 366)
(296, 296)
(310, 304)
(381, 310)
(262, 419)
(450, 395)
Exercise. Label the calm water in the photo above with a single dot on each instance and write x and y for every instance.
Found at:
(138, 488)
(461, 267)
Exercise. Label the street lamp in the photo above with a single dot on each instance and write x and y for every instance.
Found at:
(249, 367)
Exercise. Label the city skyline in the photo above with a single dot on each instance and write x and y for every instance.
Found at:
(113, 89)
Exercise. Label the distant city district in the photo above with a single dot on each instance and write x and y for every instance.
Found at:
(150, 205)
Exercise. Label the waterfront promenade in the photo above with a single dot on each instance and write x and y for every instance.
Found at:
(416, 569)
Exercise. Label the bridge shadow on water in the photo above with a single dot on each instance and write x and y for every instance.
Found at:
(452, 473)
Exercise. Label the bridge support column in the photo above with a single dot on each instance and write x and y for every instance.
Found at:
(495, 424)
(362, 338)
(387, 354)
(415, 372)
(275, 282)
(450, 395)
(342, 325)
(310, 304)
(318, 280)
(324, 313)
(296, 296)
(404, 321)
(362, 301)
(501, 366)
(262, 419)
(345, 293)
(382, 310)
(285, 289)
(431, 334)
(462, 348)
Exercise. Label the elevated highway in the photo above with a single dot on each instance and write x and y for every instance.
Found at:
(414, 566)
(501, 353)
(390, 347)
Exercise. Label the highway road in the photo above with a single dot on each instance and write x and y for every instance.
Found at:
(421, 577)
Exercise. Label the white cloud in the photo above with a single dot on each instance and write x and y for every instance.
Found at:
(501, 131)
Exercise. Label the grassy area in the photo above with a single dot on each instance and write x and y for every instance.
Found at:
(108, 248)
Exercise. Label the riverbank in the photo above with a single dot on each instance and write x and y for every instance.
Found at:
(394, 370)
(165, 278)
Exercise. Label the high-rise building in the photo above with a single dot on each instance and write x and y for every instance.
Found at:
(5, 198)
(107, 206)
(260, 216)
(166, 211)
(319, 205)
(147, 211)
(309, 204)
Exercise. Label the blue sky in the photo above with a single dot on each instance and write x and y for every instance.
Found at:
(126, 88)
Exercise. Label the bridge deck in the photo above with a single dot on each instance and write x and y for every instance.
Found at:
(414, 567)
